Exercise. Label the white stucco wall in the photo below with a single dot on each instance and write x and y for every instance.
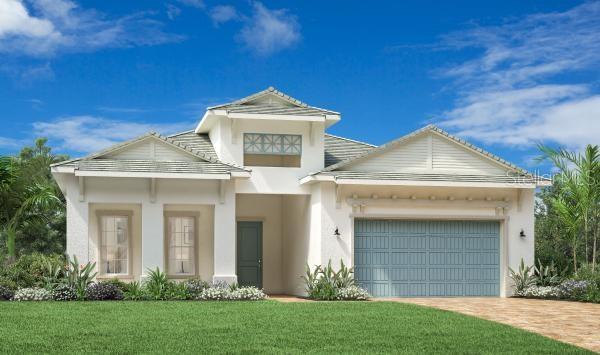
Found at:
(297, 246)
(270, 180)
(168, 192)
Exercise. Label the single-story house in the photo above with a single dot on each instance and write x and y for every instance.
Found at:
(258, 190)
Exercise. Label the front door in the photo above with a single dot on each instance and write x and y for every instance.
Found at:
(249, 254)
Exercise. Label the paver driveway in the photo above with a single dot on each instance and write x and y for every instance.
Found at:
(571, 322)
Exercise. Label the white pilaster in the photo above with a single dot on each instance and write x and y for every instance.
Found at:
(225, 237)
(152, 237)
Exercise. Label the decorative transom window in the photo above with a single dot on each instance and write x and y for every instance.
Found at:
(114, 244)
(181, 240)
(273, 144)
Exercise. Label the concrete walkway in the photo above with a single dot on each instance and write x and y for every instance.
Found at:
(570, 322)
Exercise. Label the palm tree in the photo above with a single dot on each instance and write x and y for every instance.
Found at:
(580, 181)
(28, 192)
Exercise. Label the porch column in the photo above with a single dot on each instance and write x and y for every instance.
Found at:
(224, 257)
(152, 237)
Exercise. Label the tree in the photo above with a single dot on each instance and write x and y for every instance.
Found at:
(577, 200)
(31, 203)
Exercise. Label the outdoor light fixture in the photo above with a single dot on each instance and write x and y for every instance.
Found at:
(337, 232)
(522, 234)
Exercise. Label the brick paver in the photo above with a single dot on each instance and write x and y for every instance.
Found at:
(570, 322)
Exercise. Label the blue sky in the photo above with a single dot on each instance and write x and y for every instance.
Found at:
(503, 75)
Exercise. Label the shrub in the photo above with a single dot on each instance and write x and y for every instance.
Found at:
(64, 293)
(176, 291)
(8, 283)
(214, 294)
(156, 284)
(523, 278)
(572, 289)
(546, 275)
(586, 273)
(29, 270)
(103, 291)
(134, 291)
(121, 285)
(79, 276)
(247, 293)
(324, 283)
(352, 293)
(195, 286)
(535, 291)
(6, 294)
(32, 294)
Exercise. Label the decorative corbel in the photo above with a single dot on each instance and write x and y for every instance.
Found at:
(152, 190)
(221, 191)
(81, 182)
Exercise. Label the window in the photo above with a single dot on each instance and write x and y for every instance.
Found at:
(181, 242)
(114, 243)
(278, 150)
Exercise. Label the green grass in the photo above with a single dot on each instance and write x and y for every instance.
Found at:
(256, 327)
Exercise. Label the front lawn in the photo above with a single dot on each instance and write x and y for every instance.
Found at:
(256, 327)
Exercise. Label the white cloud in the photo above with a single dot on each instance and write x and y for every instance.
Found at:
(15, 20)
(85, 134)
(515, 92)
(172, 11)
(6, 142)
(47, 27)
(223, 13)
(193, 3)
(268, 31)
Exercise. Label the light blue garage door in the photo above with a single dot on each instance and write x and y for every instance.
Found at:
(399, 258)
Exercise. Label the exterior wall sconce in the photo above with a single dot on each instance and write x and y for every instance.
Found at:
(522, 234)
(336, 233)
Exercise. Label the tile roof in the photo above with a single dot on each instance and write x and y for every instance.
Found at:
(198, 145)
(338, 149)
(300, 108)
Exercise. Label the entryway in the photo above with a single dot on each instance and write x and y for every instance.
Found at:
(249, 253)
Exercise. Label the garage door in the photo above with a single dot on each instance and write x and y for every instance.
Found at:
(399, 258)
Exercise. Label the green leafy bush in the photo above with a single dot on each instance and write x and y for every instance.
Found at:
(30, 270)
(64, 293)
(324, 283)
(79, 276)
(523, 278)
(176, 291)
(546, 275)
(156, 284)
(134, 291)
(32, 294)
(103, 291)
(195, 286)
(6, 294)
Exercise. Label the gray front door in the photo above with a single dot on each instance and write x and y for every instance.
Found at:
(249, 254)
(398, 258)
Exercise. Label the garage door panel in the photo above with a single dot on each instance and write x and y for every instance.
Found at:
(428, 258)
(408, 274)
(408, 242)
(408, 258)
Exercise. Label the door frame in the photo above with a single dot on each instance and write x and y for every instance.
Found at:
(503, 220)
(261, 222)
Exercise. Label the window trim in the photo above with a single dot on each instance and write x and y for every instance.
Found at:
(196, 216)
(115, 213)
(264, 135)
